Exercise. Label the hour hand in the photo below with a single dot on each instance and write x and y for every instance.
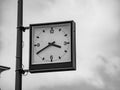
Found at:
(58, 46)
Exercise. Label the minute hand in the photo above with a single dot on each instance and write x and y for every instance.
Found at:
(49, 44)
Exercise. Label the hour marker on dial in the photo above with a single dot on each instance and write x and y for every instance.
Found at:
(65, 42)
(38, 44)
(43, 30)
(52, 30)
(60, 29)
(37, 37)
(43, 58)
(59, 57)
(65, 35)
(65, 51)
(51, 58)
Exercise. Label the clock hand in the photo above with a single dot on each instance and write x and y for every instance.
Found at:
(58, 46)
(43, 49)
(49, 44)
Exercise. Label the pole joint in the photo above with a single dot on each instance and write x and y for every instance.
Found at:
(23, 28)
(20, 70)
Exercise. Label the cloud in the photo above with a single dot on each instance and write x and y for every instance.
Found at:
(111, 65)
(97, 41)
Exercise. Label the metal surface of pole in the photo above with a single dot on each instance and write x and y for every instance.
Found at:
(18, 79)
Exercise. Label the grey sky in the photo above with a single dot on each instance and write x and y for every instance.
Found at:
(98, 41)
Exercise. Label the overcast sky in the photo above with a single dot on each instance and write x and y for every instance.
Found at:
(98, 43)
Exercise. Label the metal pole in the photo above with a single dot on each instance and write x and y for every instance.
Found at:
(18, 79)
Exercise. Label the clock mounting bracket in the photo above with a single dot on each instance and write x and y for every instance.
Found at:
(23, 28)
(23, 71)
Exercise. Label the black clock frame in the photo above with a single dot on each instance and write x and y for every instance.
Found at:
(49, 67)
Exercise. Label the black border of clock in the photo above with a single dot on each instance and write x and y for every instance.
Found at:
(33, 68)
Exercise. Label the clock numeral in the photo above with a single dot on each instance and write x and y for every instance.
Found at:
(51, 58)
(51, 31)
(38, 44)
(65, 42)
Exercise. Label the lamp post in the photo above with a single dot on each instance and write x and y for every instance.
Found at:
(18, 79)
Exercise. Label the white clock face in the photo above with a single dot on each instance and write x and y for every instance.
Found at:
(51, 43)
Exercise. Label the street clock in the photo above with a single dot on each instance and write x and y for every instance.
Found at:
(52, 46)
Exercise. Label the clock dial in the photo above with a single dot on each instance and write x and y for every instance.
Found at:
(51, 44)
